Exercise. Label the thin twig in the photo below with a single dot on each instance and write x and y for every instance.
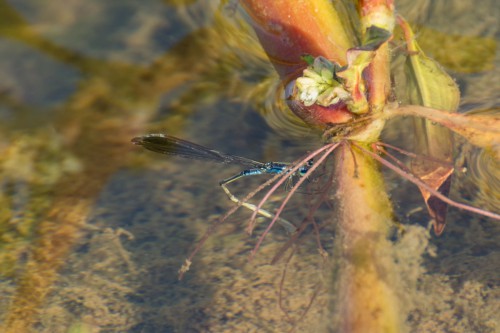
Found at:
(308, 307)
(413, 155)
(392, 157)
(329, 148)
(284, 176)
(281, 287)
(306, 221)
(417, 181)
(211, 229)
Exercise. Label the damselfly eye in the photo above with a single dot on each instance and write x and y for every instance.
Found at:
(304, 169)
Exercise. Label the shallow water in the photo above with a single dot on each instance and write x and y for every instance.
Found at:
(94, 229)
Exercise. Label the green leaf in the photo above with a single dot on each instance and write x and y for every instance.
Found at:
(309, 59)
(374, 37)
(358, 59)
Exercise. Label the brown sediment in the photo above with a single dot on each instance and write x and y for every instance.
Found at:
(61, 228)
(96, 125)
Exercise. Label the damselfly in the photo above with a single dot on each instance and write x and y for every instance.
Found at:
(170, 145)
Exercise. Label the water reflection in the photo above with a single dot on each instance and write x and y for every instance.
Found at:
(92, 231)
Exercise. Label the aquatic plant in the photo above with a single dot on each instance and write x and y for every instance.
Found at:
(114, 101)
(337, 79)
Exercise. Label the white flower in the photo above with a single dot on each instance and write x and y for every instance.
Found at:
(318, 84)
(309, 96)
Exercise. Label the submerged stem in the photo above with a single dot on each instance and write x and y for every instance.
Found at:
(366, 299)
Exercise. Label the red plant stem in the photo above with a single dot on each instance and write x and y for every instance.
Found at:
(284, 177)
(378, 79)
(378, 13)
(282, 286)
(308, 220)
(330, 147)
(288, 29)
(417, 181)
(290, 241)
(413, 155)
(221, 220)
(392, 157)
